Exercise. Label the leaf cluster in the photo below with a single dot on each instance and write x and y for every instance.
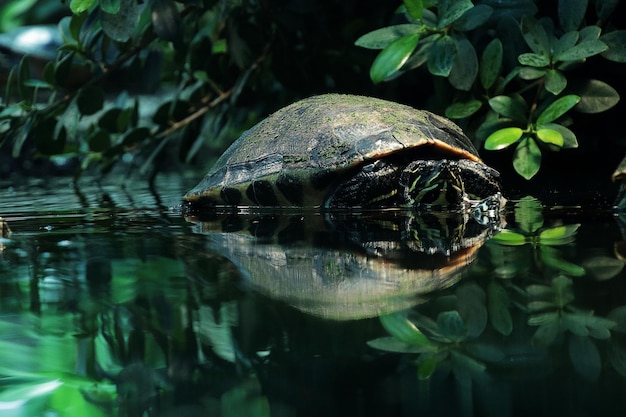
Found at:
(157, 82)
(524, 101)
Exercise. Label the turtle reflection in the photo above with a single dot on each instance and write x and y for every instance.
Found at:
(346, 266)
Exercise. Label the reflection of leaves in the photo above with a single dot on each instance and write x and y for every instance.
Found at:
(449, 343)
(552, 257)
(471, 308)
(401, 328)
(498, 307)
(553, 313)
(547, 333)
(392, 344)
(618, 315)
(545, 241)
(558, 294)
(617, 355)
(528, 214)
(585, 357)
(451, 326)
(245, 399)
(426, 366)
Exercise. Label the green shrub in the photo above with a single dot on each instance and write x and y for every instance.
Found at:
(510, 65)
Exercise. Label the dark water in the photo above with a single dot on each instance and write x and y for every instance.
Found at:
(113, 304)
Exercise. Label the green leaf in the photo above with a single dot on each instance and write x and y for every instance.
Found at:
(555, 81)
(501, 83)
(109, 120)
(599, 327)
(569, 138)
(533, 60)
(559, 235)
(618, 316)
(503, 138)
(420, 56)
(464, 109)
(400, 327)
(557, 109)
(585, 357)
(508, 238)
(110, 6)
(472, 309)
(450, 10)
(546, 334)
(75, 25)
(10, 82)
(90, 100)
(490, 63)
(617, 357)
(473, 18)
(531, 73)
(551, 256)
(121, 25)
(571, 13)
(391, 59)
(166, 20)
(391, 344)
(426, 367)
(575, 326)
(441, 56)
(528, 214)
(603, 268)
(616, 41)
(451, 325)
(565, 42)
(544, 310)
(48, 74)
(381, 38)
(23, 75)
(604, 8)
(99, 141)
(512, 107)
(583, 50)
(527, 158)
(550, 136)
(465, 68)
(596, 96)
(415, 8)
(590, 32)
(535, 36)
(498, 306)
(543, 318)
(62, 68)
(135, 136)
(79, 6)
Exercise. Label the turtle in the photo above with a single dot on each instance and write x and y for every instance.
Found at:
(337, 151)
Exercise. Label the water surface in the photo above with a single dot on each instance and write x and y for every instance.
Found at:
(113, 304)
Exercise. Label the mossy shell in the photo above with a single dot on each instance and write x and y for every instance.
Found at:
(294, 156)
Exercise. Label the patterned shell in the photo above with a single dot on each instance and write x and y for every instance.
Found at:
(295, 154)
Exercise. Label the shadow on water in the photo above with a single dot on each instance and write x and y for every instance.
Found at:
(113, 304)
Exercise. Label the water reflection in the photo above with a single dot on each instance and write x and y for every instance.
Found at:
(345, 265)
(128, 310)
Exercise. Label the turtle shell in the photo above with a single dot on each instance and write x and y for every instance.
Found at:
(295, 155)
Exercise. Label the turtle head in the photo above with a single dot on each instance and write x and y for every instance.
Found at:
(433, 184)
